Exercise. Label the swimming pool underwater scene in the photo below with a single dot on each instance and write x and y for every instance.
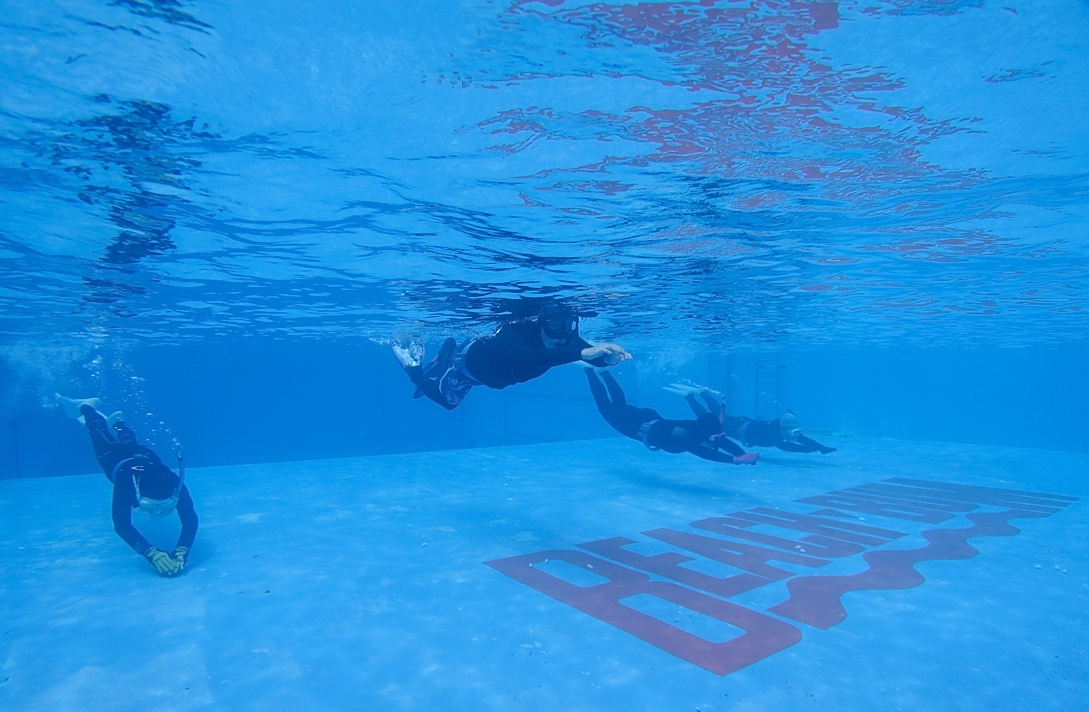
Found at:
(544, 355)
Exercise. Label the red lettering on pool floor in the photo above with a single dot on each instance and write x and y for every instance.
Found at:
(764, 635)
(814, 600)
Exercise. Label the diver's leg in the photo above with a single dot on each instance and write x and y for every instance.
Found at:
(101, 440)
(439, 363)
(695, 405)
(627, 419)
(442, 360)
(613, 415)
(454, 386)
(814, 445)
(428, 386)
(598, 391)
(713, 404)
(124, 433)
(615, 390)
(108, 451)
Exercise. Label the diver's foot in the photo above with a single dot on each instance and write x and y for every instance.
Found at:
(408, 353)
(748, 458)
(71, 406)
(114, 418)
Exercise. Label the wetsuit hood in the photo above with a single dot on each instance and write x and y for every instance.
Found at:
(155, 482)
(788, 427)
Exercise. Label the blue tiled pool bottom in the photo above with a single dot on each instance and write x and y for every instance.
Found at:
(362, 584)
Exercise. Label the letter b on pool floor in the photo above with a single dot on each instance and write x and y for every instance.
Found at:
(763, 634)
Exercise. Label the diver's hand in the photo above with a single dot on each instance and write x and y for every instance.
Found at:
(164, 564)
(613, 354)
(181, 555)
(748, 458)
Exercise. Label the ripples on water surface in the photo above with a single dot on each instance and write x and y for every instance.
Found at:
(714, 173)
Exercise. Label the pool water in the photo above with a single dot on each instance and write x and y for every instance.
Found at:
(217, 216)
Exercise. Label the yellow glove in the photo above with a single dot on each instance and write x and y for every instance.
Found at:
(162, 561)
(181, 556)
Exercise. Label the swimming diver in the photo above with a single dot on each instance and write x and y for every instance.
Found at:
(140, 481)
(782, 433)
(518, 351)
(702, 437)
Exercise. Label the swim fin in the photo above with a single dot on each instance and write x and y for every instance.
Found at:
(71, 406)
(687, 387)
(408, 353)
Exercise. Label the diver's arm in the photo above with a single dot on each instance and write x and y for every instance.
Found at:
(188, 516)
(584, 355)
(530, 352)
(606, 354)
(124, 492)
(563, 353)
(706, 453)
(722, 442)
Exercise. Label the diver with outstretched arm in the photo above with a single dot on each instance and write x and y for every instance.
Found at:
(517, 352)
(699, 437)
(140, 481)
(782, 433)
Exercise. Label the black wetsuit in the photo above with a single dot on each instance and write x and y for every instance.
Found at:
(673, 436)
(516, 353)
(757, 433)
(126, 463)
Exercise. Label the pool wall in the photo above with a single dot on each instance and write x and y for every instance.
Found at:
(280, 401)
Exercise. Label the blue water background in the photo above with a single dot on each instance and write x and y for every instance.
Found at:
(215, 213)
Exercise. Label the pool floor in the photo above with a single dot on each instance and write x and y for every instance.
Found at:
(361, 584)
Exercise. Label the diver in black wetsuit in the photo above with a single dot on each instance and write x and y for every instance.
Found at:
(517, 352)
(140, 481)
(782, 433)
(702, 437)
